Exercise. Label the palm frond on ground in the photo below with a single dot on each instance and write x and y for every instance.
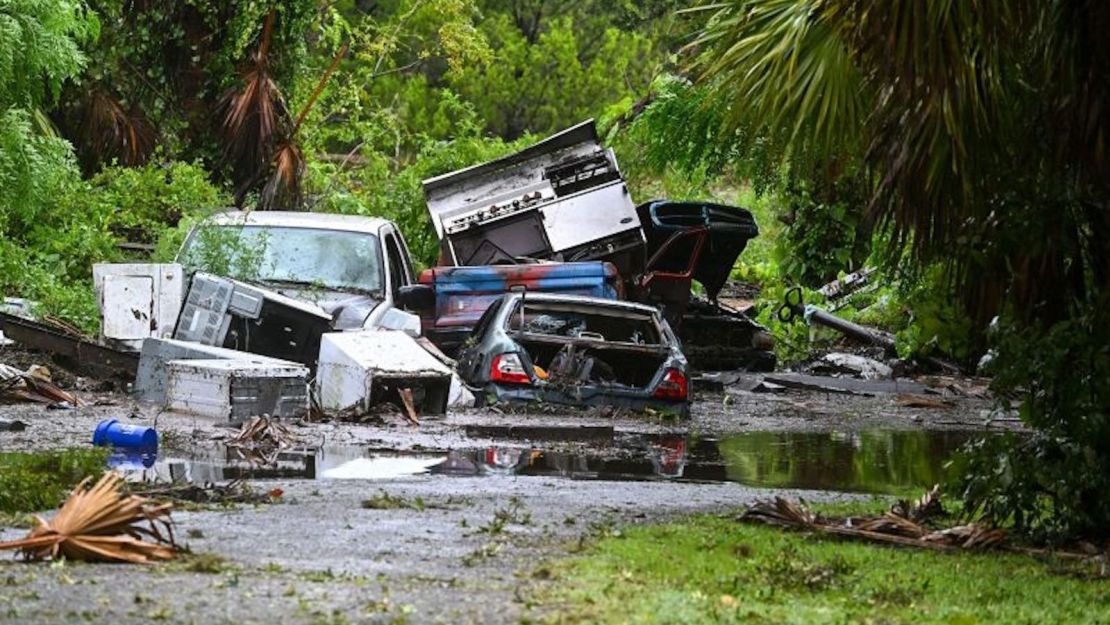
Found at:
(99, 523)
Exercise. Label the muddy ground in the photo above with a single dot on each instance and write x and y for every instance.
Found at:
(471, 554)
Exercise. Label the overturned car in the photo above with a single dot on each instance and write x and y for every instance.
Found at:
(538, 347)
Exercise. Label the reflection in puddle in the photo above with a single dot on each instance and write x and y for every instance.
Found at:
(381, 467)
(869, 461)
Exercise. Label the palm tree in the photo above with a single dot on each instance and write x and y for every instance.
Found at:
(980, 126)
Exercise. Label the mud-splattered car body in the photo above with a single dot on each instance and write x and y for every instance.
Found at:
(462, 294)
(583, 351)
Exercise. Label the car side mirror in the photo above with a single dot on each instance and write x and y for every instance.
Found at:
(417, 297)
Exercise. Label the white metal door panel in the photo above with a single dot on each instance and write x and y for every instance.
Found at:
(588, 216)
(165, 287)
(128, 306)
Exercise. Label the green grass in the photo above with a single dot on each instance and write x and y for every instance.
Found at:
(708, 569)
(36, 481)
(386, 501)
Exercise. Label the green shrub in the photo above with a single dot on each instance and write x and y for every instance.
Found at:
(36, 481)
(825, 233)
(1053, 482)
(48, 248)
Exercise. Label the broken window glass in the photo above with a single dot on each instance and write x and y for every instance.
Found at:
(327, 259)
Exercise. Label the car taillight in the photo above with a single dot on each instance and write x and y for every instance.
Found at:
(508, 369)
(673, 386)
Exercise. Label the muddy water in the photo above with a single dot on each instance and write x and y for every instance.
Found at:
(875, 461)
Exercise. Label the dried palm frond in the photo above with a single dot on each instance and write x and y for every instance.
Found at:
(921, 510)
(780, 511)
(262, 431)
(261, 439)
(253, 116)
(101, 524)
(970, 536)
(108, 131)
(901, 528)
(893, 524)
(283, 189)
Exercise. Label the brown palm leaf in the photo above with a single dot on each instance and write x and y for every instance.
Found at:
(108, 130)
(254, 117)
(890, 523)
(101, 524)
(780, 511)
(970, 536)
(261, 439)
(283, 189)
(926, 507)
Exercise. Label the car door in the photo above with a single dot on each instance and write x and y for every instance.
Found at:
(471, 356)
(398, 274)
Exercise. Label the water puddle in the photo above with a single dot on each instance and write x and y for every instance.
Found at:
(382, 467)
(870, 461)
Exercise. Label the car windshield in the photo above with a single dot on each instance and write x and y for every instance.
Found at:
(329, 259)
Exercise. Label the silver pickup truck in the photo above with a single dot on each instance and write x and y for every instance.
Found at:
(267, 282)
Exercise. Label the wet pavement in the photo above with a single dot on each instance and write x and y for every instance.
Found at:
(470, 555)
(485, 499)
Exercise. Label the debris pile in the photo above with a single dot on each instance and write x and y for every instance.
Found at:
(33, 385)
(261, 439)
(101, 524)
(907, 524)
(235, 491)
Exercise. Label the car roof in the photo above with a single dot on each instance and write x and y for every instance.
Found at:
(297, 219)
(532, 296)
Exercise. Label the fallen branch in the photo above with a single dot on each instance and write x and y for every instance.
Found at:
(902, 526)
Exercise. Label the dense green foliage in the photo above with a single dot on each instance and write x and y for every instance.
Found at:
(1055, 481)
(713, 570)
(47, 254)
(555, 80)
(975, 137)
(37, 481)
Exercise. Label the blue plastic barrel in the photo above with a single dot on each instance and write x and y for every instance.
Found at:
(112, 433)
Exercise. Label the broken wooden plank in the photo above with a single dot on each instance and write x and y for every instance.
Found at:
(815, 383)
(921, 401)
(86, 354)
